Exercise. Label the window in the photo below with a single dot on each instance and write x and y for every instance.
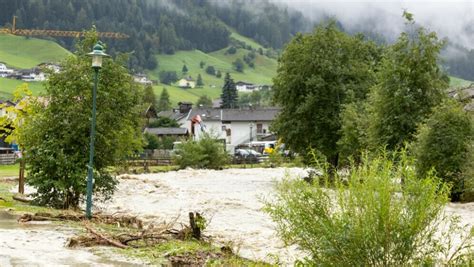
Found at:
(259, 128)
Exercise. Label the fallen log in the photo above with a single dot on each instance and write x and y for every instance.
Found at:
(21, 199)
(103, 237)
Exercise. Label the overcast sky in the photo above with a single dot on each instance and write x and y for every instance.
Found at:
(452, 19)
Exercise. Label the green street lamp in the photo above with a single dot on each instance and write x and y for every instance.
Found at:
(97, 54)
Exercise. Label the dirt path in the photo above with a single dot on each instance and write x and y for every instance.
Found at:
(231, 198)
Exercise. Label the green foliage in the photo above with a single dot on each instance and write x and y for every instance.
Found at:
(151, 141)
(354, 124)
(199, 82)
(218, 74)
(149, 96)
(312, 89)
(56, 138)
(229, 94)
(164, 102)
(168, 77)
(184, 70)
(207, 153)
(444, 144)
(202, 64)
(238, 65)
(210, 70)
(369, 217)
(232, 50)
(163, 122)
(204, 101)
(410, 84)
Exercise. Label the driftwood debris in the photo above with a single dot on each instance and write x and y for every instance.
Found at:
(103, 237)
(21, 198)
(194, 219)
(122, 220)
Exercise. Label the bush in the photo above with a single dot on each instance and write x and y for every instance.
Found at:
(369, 218)
(168, 77)
(210, 70)
(207, 153)
(232, 50)
(444, 143)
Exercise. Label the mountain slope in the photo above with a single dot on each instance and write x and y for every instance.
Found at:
(22, 53)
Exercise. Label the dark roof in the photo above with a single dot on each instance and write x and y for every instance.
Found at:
(167, 131)
(207, 114)
(249, 114)
(7, 103)
(243, 83)
(172, 114)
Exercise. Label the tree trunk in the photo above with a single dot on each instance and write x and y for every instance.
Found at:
(21, 175)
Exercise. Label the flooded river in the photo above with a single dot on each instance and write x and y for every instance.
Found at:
(43, 244)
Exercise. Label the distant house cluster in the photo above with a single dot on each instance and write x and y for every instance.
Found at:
(234, 126)
(142, 79)
(36, 74)
(249, 87)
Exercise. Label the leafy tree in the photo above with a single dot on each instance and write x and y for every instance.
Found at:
(204, 101)
(369, 218)
(410, 84)
(211, 70)
(229, 94)
(202, 64)
(184, 70)
(199, 82)
(151, 141)
(238, 65)
(444, 144)
(164, 122)
(312, 89)
(232, 50)
(168, 77)
(164, 102)
(56, 138)
(218, 74)
(207, 153)
(149, 96)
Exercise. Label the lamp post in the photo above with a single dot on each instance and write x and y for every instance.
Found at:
(97, 54)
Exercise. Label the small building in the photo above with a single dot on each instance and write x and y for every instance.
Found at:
(51, 66)
(245, 86)
(187, 82)
(142, 79)
(4, 70)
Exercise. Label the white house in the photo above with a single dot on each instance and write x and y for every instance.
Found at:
(142, 79)
(4, 71)
(236, 126)
(187, 82)
(245, 86)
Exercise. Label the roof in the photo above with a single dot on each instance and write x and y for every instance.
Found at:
(167, 131)
(243, 83)
(250, 114)
(207, 114)
(210, 114)
(174, 115)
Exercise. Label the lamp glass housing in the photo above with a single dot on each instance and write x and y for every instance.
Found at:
(97, 61)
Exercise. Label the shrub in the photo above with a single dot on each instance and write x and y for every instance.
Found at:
(232, 50)
(207, 153)
(168, 77)
(444, 144)
(210, 70)
(369, 218)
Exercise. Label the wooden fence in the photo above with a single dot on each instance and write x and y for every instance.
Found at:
(7, 159)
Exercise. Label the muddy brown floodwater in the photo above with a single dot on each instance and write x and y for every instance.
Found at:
(43, 244)
(230, 198)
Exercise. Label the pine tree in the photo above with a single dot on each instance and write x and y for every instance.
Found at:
(164, 102)
(149, 96)
(199, 82)
(229, 94)
(218, 74)
(185, 69)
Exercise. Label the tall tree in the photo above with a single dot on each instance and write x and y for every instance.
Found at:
(229, 96)
(56, 138)
(410, 84)
(149, 96)
(199, 82)
(164, 102)
(184, 70)
(312, 89)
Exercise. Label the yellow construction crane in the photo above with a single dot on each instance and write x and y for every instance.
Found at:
(56, 33)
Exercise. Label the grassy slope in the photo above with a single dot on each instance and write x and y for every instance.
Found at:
(264, 71)
(22, 53)
(458, 82)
